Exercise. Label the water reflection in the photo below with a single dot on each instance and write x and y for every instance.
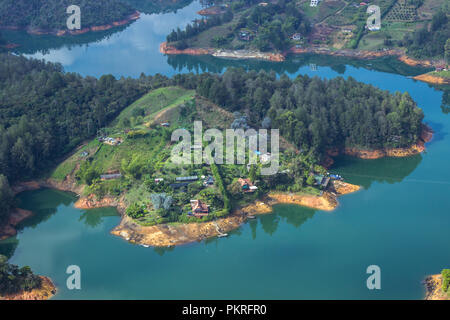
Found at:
(365, 172)
(445, 106)
(8, 246)
(30, 44)
(94, 217)
(290, 214)
(212, 64)
(163, 6)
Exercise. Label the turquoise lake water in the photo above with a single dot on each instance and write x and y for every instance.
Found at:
(400, 220)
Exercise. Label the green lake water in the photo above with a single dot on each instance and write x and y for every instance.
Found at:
(399, 221)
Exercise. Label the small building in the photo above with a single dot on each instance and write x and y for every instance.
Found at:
(158, 180)
(245, 35)
(181, 185)
(265, 157)
(199, 208)
(325, 182)
(110, 176)
(322, 181)
(296, 37)
(84, 154)
(186, 179)
(247, 185)
(209, 181)
(111, 141)
(165, 124)
(314, 3)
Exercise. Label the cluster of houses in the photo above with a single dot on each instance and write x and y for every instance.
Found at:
(441, 68)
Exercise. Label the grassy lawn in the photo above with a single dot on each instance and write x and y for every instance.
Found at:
(204, 39)
(442, 74)
(155, 101)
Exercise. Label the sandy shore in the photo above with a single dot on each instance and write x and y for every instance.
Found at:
(433, 286)
(418, 147)
(46, 291)
(430, 78)
(178, 234)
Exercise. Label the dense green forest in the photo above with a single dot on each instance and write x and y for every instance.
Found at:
(51, 14)
(14, 279)
(315, 114)
(45, 112)
(431, 40)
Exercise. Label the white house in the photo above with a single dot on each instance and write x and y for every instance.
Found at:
(314, 3)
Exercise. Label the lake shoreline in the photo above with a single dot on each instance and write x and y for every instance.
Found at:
(45, 292)
(326, 202)
(168, 235)
(417, 148)
(165, 48)
(433, 287)
(36, 31)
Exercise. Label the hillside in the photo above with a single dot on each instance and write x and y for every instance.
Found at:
(49, 16)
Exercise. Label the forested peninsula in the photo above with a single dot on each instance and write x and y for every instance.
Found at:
(50, 16)
(415, 31)
(109, 141)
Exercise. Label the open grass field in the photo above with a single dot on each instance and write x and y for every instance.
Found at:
(155, 101)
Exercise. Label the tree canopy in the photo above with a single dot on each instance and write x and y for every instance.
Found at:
(51, 14)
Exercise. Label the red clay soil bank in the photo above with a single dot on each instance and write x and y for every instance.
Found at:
(416, 148)
(16, 216)
(166, 49)
(430, 78)
(212, 11)
(46, 291)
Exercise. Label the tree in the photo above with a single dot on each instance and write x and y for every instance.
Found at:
(445, 280)
(6, 198)
(447, 50)
(253, 176)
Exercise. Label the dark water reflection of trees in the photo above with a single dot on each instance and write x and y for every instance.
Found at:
(212, 64)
